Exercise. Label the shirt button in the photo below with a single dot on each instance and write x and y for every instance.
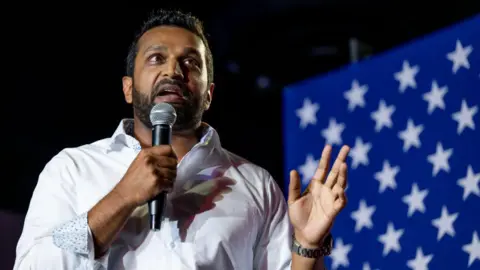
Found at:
(172, 245)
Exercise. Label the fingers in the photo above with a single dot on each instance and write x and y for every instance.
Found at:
(166, 178)
(342, 176)
(163, 165)
(161, 150)
(323, 165)
(340, 199)
(337, 191)
(165, 173)
(294, 187)
(163, 162)
(341, 158)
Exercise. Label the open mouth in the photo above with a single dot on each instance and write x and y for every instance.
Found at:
(170, 93)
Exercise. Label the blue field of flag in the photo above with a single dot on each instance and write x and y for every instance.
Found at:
(411, 117)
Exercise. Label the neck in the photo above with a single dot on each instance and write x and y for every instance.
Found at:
(182, 142)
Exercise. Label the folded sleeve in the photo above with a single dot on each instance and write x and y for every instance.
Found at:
(54, 235)
(272, 251)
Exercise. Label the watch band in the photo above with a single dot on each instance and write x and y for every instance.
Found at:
(324, 250)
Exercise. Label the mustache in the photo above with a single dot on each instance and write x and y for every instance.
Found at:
(167, 81)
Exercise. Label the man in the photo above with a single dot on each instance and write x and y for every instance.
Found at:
(88, 210)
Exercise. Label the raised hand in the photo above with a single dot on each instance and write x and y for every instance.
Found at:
(312, 213)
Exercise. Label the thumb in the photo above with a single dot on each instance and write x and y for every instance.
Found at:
(294, 187)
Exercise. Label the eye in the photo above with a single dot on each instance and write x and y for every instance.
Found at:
(155, 58)
(191, 62)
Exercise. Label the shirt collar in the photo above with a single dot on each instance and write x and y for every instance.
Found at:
(123, 136)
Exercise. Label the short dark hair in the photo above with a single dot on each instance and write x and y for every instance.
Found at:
(172, 18)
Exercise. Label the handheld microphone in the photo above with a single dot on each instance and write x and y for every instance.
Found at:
(162, 117)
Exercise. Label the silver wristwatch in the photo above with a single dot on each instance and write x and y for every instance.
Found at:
(324, 250)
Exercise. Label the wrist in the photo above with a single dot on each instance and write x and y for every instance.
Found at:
(310, 250)
(298, 236)
(301, 262)
(122, 198)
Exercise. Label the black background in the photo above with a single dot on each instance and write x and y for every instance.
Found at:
(63, 69)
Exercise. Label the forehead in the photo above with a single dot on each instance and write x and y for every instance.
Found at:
(172, 37)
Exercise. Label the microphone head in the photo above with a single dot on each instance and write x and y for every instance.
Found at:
(163, 114)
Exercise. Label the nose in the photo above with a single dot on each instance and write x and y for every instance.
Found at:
(173, 70)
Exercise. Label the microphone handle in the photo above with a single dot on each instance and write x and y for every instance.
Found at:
(161, 135)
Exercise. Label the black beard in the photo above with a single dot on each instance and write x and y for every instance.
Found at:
(189, 114)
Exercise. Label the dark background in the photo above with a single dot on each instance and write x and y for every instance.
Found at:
(63, 69)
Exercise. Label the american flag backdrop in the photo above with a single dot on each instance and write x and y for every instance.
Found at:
(411, 117)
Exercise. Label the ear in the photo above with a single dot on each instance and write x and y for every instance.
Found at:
(208, 101)
(127, 83)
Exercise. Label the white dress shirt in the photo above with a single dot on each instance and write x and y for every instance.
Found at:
(223, 213)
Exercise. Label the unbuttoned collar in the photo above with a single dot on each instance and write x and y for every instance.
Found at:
(123, 137)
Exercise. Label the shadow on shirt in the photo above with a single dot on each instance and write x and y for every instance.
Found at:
(193, 198)
(198, 197)
(201, 194)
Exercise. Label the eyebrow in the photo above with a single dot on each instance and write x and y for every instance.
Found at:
(156, 48)
(188, 50)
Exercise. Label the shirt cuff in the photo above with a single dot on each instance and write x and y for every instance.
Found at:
(99, 263)
(75, 236)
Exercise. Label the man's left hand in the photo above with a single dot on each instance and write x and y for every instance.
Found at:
(312, 214)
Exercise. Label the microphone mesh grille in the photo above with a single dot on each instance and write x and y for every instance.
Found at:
(163, 114)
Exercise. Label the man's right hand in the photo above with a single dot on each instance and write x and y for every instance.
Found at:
(151, 172)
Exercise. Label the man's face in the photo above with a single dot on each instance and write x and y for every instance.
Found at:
(170, 67)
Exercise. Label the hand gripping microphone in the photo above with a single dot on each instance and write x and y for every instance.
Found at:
(162, 117)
